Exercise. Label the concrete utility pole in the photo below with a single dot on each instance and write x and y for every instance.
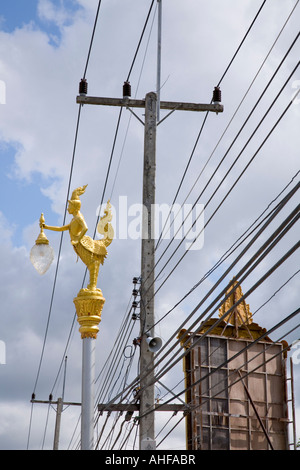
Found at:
(146, 396)
(158, 68)
(59, 408)
(57, 423)
(147, 428)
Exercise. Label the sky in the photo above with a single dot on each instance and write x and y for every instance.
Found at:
(43, 54)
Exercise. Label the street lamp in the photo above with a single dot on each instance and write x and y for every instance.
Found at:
(89, 301)
(41, 254)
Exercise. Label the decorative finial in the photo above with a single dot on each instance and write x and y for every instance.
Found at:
(78, 192)
(241, 314)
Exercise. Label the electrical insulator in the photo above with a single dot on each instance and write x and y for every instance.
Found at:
(50, 397)
(217, 95)
(135, 292)
(135, 280)
(136, 341)
(83, 87)
(126, 90)
(134, 304)
(33, 396)
(128, 415)
(134, 316)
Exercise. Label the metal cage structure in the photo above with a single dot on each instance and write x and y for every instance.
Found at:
(236, 382)
(239, 401)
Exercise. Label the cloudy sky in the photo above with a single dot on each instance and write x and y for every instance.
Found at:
(43, 54)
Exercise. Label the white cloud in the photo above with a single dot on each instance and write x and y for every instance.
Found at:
(53, 13)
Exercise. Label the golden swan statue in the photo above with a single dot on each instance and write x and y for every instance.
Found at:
(91, 252)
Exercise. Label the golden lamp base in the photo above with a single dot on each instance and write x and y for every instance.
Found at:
(89, 305)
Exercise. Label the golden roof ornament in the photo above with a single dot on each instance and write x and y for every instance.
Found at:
(241, 314)
(237, 322)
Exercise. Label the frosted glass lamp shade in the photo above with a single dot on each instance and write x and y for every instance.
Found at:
(41, 257)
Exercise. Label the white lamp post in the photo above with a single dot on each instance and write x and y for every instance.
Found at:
(89, 301)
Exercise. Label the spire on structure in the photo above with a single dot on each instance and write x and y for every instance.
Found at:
(237, 323)
(241, 314)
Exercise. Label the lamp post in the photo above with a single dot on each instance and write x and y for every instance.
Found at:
(89, 307)
(89, 301)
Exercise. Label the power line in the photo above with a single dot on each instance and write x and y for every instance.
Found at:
(59, 252)
(234, 246)
(121, 109)
(298, 185)
(277, 236)
(229, 149)
(61, 238)
(68, 192)
(224, 364)
(253, 288)
(252, 316)
(112, 355)
(231, 120)
(92, 39)
(256, 259)
(130, 117)
(71, 172)
(207, 332)
(242, 42)
(195, 407)
(225, 292)
(109, 166)
(234, 184)
(170, 364)
(248, 361)
(249, 139)
(116, 363)
(207, 113)
(140, 40)
(288, 254)
(116, 131)
(206, 116)
(120, 115)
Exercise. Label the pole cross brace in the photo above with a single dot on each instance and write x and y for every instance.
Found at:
(132, 103)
